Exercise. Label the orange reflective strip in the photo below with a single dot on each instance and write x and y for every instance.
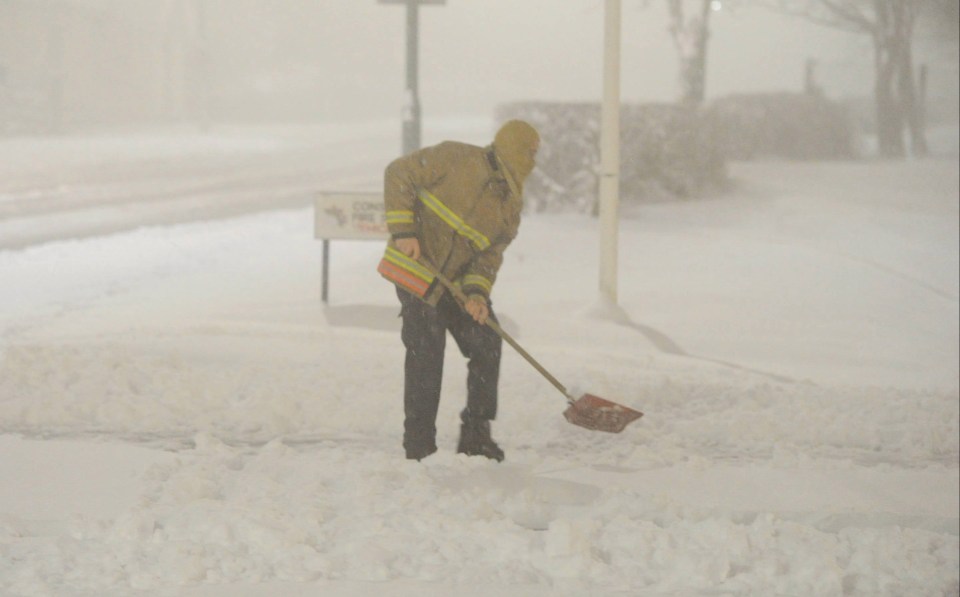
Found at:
(403, 278)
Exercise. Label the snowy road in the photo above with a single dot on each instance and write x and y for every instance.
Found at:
(52, 189)
(181, 416)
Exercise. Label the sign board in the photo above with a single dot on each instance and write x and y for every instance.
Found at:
(358, 216)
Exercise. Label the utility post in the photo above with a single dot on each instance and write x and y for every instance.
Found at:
(610, 154)
(201, 81)
(411, 108)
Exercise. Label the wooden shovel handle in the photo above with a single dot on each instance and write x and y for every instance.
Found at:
(462, 299)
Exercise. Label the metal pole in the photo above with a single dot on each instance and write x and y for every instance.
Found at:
(201, 79)
(411, 116)
(325, 276)
(610, 153)
(411, 106)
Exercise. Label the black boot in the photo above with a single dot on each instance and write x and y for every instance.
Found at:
(475, 440)
(420, 452)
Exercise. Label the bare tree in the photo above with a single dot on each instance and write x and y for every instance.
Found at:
(890, 25)
(690, 30)
(942, 22)
(912, 91)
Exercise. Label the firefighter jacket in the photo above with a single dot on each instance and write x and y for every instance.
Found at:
(463, 205)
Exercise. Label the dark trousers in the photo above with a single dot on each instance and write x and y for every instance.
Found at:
(424, 336)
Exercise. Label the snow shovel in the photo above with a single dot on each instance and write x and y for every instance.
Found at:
(587, 411)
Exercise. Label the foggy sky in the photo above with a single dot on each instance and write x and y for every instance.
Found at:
(477, 53)
(345, 59)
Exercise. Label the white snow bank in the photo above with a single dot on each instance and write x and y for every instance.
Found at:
(247, 514)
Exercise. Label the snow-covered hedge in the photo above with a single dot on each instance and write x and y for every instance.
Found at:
(667, 151)
(673, 151)
(802, 126)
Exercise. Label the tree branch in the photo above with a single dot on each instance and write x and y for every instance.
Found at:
(848, 11)
(820, 12)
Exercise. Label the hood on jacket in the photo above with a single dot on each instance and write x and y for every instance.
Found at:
(515, 144)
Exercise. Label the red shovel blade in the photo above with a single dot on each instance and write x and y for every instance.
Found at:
(595, 413)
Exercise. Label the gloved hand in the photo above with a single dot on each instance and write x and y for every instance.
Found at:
(409, 247)
(477, 307)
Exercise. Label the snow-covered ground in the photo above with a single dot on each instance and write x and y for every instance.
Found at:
(180, 415)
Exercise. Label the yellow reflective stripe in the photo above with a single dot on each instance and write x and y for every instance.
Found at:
(475, 280)
(400, 216)
(453, 220)
(397, 258)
